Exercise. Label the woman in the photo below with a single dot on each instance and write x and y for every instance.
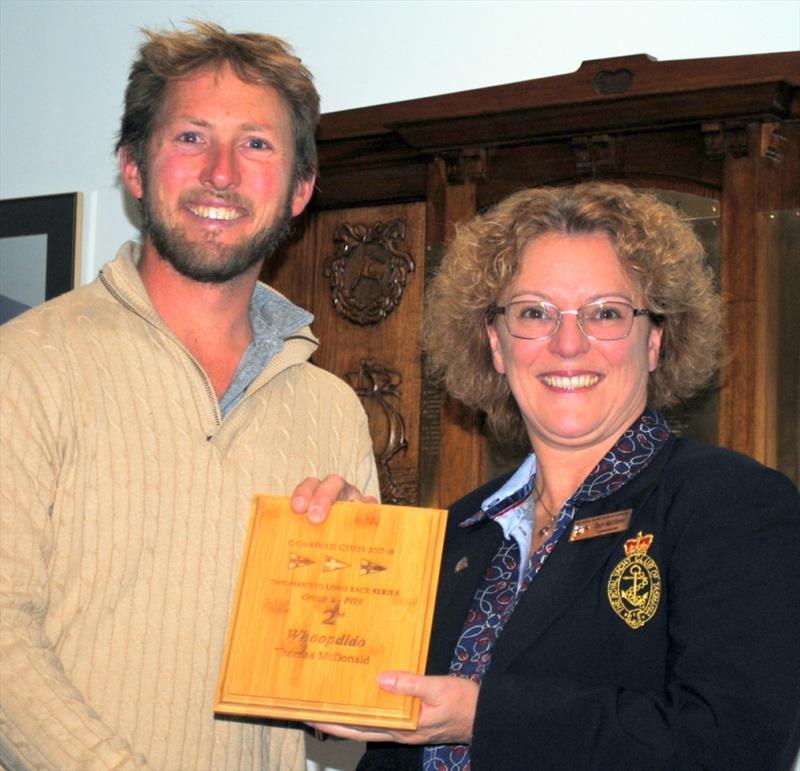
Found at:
(626, 599)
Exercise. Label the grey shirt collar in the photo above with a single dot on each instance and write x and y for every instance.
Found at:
(273, 319)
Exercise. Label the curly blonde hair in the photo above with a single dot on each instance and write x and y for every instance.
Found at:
(658, 250)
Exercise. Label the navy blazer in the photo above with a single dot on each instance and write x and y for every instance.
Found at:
(709, 680)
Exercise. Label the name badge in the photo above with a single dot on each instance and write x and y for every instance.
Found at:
(603, 524)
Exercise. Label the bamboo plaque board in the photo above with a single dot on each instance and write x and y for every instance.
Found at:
(320, 610)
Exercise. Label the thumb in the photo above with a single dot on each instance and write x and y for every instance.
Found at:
(403, 683)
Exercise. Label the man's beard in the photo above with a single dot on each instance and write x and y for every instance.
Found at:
(211, 262)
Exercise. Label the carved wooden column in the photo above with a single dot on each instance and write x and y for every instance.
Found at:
(752, 174)
(454, 467)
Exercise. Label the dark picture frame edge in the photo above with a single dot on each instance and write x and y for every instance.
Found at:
(59, 217)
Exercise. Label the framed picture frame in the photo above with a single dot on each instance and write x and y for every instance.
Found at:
(40, 240)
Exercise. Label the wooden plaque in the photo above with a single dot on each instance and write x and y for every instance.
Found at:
(320, 610)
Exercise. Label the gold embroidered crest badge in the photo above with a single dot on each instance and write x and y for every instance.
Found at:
(634, 587)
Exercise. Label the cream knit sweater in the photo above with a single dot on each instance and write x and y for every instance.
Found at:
(124, 500)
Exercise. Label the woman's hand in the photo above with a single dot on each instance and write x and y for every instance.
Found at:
(446, 717)
(314, 497)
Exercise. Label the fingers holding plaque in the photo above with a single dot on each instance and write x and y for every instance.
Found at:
(320, 610)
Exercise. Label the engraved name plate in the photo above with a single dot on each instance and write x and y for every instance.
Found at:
(320, 610)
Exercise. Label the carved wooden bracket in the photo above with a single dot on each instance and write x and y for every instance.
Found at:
(368, 270)
(467, 165)
(725, 140)
(595, 154)
(773, 142)
(381, 384)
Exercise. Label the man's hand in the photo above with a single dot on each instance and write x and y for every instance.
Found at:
(314, 498)
(446, 717)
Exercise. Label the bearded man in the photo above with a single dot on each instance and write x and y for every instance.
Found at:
(142, 412)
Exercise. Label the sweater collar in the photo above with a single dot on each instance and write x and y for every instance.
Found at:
(121, 278)
(270, 312)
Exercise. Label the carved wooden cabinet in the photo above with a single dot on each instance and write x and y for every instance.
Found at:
(718, 136)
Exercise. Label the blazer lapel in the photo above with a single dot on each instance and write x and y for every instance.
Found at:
(565, 573)
(469, 551)
(570, 567)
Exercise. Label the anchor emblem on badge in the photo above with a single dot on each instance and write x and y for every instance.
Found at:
(634, 588)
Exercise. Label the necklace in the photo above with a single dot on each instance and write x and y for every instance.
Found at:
(547, 528)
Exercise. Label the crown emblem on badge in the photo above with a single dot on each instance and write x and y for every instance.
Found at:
(634, 588)
(638, 545)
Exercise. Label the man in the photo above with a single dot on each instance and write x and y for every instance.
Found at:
(141, 413)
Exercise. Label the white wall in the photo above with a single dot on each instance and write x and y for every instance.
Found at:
(63, 68)
(63, 65)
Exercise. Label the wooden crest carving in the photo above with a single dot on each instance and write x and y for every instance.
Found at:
(381, 385)
(368, 271)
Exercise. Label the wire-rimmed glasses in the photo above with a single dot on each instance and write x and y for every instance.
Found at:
(537, 319)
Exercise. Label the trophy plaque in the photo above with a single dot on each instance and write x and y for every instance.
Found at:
(320, 610)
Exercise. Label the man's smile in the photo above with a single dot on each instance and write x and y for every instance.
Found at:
(216, 212)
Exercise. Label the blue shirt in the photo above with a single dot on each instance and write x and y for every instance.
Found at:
(273, 319)
(512, 508)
